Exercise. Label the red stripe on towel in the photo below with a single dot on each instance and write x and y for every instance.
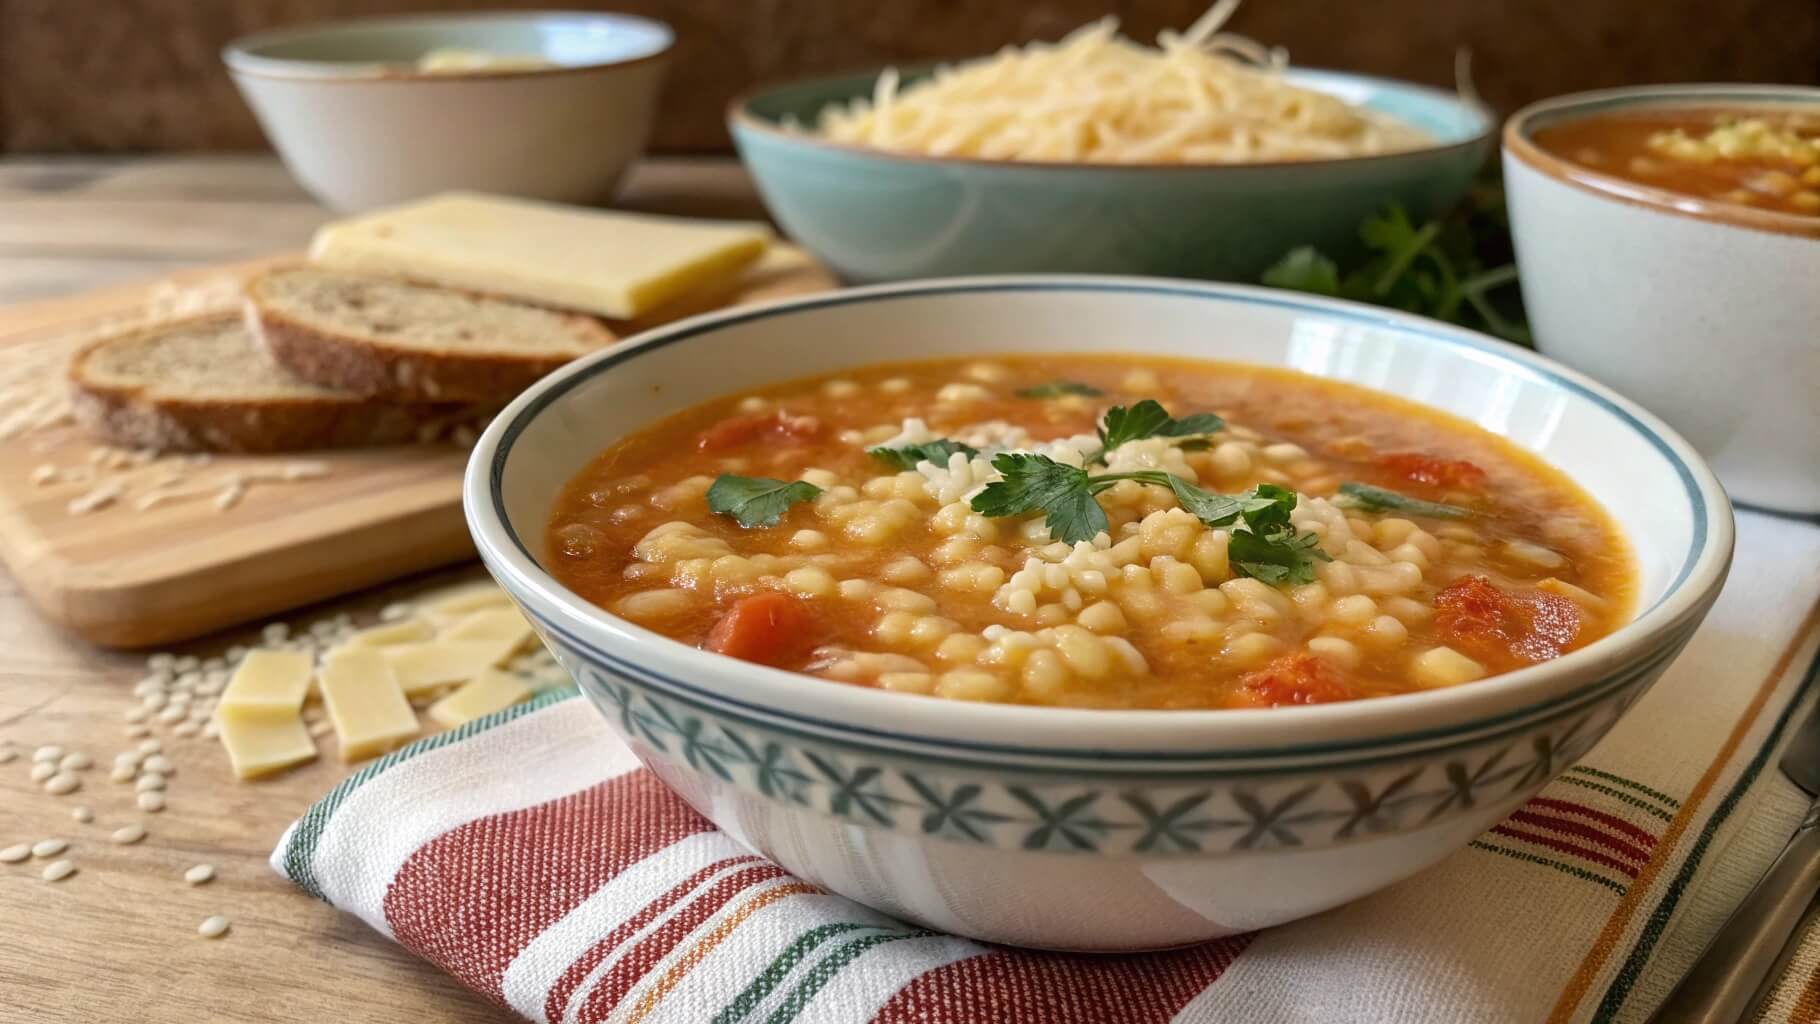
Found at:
(446, 902)
(1563, 846)
(1011, 987)
(1615, 822)
(579, 968)
(1581, 830)
(651, 950)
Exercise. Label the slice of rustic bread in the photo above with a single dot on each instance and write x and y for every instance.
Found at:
(202, 385)
(387, 336)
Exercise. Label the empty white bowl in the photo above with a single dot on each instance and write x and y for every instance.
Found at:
(1096, 829)
(359, 125)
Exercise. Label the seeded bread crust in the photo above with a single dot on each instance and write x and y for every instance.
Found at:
(136, 416)
(366, 364)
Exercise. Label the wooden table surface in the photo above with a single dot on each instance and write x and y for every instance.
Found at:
(117, 941)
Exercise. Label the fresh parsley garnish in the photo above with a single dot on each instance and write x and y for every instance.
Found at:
(1376, 499)
(1033, 483)
(1268, 546)
(908, 456)
(1458, 268)
(1278, 557)
(754, 501)
(1058, 388)
(1148, 418)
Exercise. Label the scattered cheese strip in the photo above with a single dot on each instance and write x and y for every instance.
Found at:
(459, 600)
(486, 693)
(426, 666)
(365, 703)
(403, 631)
(261, 744)
(267, 683)
(506, 627)
(615, 264)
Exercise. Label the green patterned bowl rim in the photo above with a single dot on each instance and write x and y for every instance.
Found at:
(1662, 624)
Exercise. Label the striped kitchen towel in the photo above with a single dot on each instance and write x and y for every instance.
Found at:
(529, 855)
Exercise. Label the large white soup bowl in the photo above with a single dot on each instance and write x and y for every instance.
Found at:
(1088, 829)
(1708, 314)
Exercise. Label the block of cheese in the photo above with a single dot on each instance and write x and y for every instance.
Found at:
(366, 704)
(425, 666)
(268, 683)
(403, 631)
(613, 264)
(486, 693)
(260, 744)
(506, 627)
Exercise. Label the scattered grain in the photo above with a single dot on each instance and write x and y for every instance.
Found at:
(126, 835)
(49, 847)
(83, 814)
(76, 762)
(201, 874)
(58, 870)
(151, 801)
(15, 853)
(213, 927)
(47, 754)
(61, 784)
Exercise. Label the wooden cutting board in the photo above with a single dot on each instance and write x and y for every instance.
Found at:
(123, 575)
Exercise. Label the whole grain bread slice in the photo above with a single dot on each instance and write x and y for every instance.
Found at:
(376, 335)
(201, 384)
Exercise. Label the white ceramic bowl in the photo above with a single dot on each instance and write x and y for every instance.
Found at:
(359, 128)
(1086, 829)
(1710, 317)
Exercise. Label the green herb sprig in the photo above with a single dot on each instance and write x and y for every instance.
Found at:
(1458, 268)
(1268, 547)
(1146, 419)
(1058, 389)
(1367, 498)
(757, 501)
(910, 455)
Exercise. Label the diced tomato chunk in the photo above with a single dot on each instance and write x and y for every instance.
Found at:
(769, 628)
(738, 430)
(1505, 630)
(1444, 474)
(1291, 679)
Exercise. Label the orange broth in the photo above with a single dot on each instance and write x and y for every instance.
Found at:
(923, 590)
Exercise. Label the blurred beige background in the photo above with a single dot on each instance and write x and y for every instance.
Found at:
(144, 75)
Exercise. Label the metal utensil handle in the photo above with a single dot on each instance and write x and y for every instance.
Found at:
(1729, 974)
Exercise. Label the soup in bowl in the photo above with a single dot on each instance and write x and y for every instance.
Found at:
(1061, 633)
(1668, 238)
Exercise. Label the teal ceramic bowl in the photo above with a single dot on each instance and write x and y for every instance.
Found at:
(872, 215)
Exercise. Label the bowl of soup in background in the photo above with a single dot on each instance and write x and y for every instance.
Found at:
(1094, 828)
(371, 111)
(874, 214)
(1668, 282)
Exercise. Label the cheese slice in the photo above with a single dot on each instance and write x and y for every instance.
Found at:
(506, 627)
(366, 704)
(614, 264)
(267, 683)
(462, 598)
(486, 693)
(264, 743)
(423, 667)
(403, 631)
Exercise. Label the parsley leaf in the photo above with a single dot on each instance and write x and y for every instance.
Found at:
(1458, 267)
(1278, 557)
(1304, 269)
(1148, 418)
(908, 456)
(1058, 388)
(1032, 482)
(1376, 499)
(756, 500)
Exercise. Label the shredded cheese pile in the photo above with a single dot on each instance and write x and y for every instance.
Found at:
(1198, 97)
